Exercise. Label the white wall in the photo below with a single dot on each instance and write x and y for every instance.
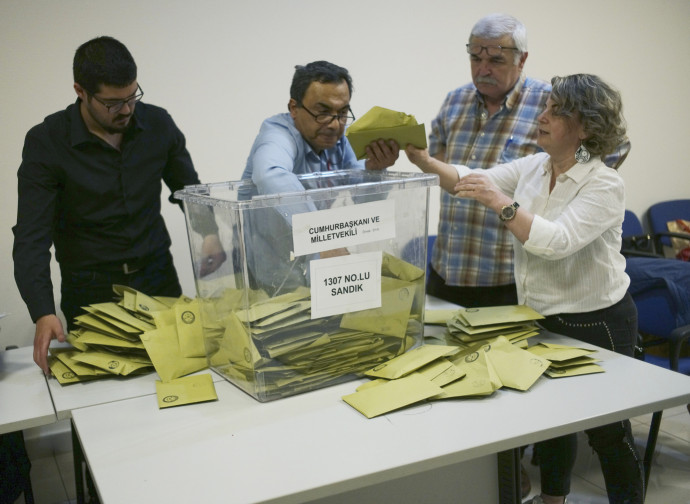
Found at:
(221, 67)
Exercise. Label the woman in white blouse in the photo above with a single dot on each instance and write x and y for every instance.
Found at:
(565, 209)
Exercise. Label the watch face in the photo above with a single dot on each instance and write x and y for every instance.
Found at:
(507, 212)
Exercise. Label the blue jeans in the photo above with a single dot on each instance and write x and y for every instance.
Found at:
(157, 277)
(613, 328)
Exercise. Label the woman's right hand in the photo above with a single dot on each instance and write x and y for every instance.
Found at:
(420, 157)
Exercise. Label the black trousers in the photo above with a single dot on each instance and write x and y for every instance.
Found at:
(156, 277)
(470, 297)
(613, 328)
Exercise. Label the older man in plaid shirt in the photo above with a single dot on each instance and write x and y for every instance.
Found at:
(489, 121)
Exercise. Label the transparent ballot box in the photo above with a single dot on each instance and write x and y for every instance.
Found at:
(318, 285)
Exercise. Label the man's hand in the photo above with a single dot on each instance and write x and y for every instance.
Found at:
(381, 154)
(212, 255)
(48, 327)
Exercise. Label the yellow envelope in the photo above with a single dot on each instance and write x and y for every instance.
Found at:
(136, 301)
(381, 123)
(89, 321)
(64, 355)
(498, 314)
(392, 317)
(555, 352)
(442, 372)
(88, 337)
(394, 394)
(64, 375)
(115, 311)
(574, 371)
(187, 390)
(577, 361)
(189, 331)
(164, 351)
(438, 317)
(113, 363)
(410, 361)
(477, 380)
(516, 368)
(395, 267)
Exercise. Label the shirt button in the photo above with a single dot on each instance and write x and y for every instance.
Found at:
(474, 158)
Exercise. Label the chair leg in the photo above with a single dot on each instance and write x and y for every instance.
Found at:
(651, 445)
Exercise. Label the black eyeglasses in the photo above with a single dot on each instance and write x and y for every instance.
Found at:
(114, 106)
(491, 51)
(327, 118)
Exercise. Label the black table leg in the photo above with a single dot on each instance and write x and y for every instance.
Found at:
(509, 491)
(78, 465)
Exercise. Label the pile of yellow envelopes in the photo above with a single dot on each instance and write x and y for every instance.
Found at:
(271, 347)
(514, 322)
(134, 335)
(490, 352)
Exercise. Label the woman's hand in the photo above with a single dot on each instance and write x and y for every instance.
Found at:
(419, 157)
(478, 187)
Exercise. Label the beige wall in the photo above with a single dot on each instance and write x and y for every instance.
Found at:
(220, 67)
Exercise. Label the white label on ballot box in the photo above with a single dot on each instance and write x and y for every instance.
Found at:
(314, 232)
(345, 284)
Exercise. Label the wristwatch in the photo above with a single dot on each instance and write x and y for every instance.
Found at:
(508, 212)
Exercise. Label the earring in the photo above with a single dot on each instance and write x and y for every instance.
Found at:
(582, 154)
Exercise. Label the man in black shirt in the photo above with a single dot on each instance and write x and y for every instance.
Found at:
(90, 184)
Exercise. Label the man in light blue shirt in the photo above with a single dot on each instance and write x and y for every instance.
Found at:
(309, 138)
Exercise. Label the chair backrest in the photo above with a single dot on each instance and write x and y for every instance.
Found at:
(631, 224)
(429, 249)
(656, 311)
(635, 241)
(659, 214)
(413, 247)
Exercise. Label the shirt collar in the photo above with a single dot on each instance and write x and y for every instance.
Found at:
(514, 93)
(511, 98)
(578, 172)
(80, 134)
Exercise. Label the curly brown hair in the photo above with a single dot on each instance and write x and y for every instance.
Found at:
(597, 106)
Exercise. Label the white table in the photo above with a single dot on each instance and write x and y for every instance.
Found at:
(68, 398)
(71, 397)
(24, 398)
(316, 447)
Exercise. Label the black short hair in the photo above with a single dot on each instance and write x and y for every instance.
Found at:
(103, 60)
(317, 71)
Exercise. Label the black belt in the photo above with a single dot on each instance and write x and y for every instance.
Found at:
(127, 266)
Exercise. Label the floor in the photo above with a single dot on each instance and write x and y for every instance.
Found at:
(52, 472)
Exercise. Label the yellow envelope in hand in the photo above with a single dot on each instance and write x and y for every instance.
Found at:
(187, 390)
(381, 123)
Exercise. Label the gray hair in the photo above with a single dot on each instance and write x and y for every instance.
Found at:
(594, 104)
(495, 26)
